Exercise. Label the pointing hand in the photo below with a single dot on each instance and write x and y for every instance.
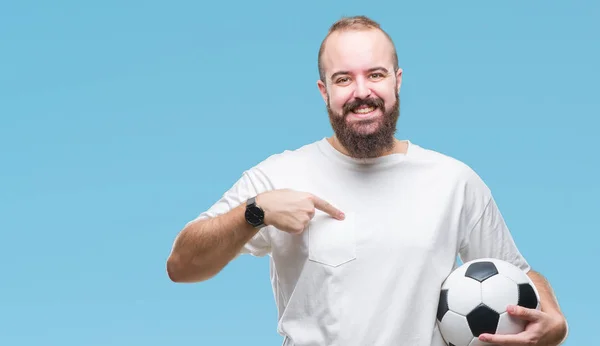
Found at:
(290, 211)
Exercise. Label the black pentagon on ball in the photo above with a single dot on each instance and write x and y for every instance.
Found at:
(527, 297)
(442, 305)
(481, 271)
(482, 319)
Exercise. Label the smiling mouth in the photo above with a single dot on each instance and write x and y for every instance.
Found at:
(363, 110)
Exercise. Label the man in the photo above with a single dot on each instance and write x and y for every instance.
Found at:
(361, 228)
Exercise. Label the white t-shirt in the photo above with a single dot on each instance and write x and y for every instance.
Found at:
(373, 278)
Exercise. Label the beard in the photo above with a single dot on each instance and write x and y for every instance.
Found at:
(366, 145)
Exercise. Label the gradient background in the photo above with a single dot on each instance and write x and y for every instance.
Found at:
(121, 121)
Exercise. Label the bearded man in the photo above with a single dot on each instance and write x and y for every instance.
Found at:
(361, 228)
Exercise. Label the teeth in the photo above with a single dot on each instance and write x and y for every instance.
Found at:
(364, 110)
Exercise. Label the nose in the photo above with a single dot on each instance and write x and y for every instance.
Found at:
(362, 89)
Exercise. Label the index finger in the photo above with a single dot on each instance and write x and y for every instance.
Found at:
(524, 313)
(327, 207)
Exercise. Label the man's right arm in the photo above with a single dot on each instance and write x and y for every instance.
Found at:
(205, 246)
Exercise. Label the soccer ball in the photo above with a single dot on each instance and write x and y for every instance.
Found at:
(474, 297)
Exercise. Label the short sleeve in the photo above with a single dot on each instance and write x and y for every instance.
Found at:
(488, 235)
(251, 183)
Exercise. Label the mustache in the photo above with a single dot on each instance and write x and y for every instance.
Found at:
(370, 102)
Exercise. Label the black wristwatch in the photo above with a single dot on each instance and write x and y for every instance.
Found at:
(255, 215)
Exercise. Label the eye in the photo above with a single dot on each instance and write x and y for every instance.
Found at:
(377, 75)
(342, 80)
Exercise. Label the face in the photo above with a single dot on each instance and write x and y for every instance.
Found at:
(361, 91)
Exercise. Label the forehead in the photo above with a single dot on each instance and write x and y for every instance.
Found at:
(356, 51)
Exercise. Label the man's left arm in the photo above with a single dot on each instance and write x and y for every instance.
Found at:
(489, 236)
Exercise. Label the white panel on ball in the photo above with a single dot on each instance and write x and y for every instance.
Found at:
(510, 325)
(498, 292)
(455, 329)
(515, 274)
(511, 271)
(464, 296)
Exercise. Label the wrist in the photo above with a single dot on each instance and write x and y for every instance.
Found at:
(261, 203)
(254, 213)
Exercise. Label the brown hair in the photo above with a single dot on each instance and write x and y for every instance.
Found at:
(353, 23)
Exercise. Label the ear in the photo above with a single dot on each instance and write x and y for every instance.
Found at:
(398, 79)
(323, 90)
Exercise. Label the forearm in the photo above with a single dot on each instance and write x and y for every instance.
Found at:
(549, 304)
(205, 247)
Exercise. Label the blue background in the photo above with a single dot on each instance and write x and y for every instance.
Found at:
(121, 121)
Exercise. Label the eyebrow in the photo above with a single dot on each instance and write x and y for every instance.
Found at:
(373, 69)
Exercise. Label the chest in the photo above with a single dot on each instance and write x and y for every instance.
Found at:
(389, 217)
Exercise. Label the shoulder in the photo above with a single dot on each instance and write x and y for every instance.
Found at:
(288, 159)
(439, 160)
(450, 168)
(273, 169)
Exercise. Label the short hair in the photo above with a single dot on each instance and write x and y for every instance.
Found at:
(353, 23)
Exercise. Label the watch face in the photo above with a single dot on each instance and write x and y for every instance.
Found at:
(254, 215)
